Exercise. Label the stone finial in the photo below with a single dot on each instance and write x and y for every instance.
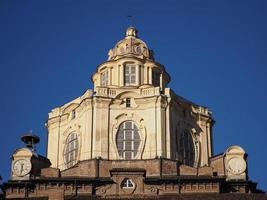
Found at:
(131, 32)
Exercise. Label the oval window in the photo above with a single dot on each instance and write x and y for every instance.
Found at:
(128, 140)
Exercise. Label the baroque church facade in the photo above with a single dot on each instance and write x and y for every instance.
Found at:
(129, 137)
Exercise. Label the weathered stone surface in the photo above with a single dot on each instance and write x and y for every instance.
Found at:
(50, 172)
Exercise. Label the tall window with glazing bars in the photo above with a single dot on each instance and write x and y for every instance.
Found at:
(185, 148)
(129, 74)
(71, 150)
(128, 140)
(155, 77)
(104, 78)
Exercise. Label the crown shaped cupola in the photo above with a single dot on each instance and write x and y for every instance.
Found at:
(130, 45)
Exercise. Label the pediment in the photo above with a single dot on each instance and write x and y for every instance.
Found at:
(235, 149)
(22, 152)
(127, 94)
(69, 108)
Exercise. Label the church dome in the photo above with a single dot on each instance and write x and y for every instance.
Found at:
(131, 45)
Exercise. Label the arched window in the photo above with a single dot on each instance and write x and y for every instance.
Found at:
(185, 148)
(127, 183)
(128, 140)
(71, 150)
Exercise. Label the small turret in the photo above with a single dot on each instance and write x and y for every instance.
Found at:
(30, 140)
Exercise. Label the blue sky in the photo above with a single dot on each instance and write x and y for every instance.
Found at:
(215, 52)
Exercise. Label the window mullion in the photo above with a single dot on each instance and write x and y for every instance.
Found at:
(124, 141)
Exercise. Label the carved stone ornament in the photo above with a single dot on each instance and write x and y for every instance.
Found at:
(236, 165)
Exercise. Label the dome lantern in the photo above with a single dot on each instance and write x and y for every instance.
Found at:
(132, 46)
